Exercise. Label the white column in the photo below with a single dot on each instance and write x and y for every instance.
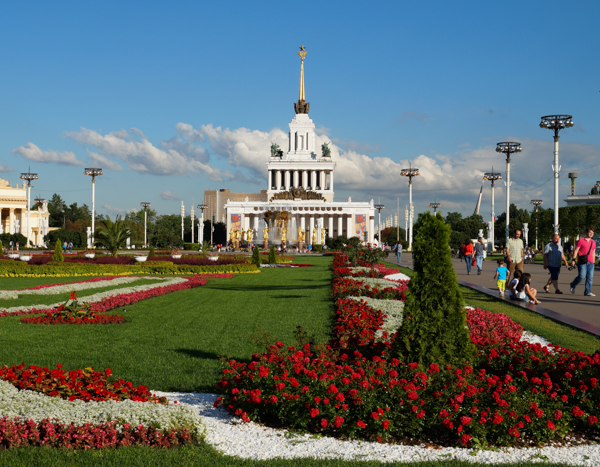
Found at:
(330, 229)
(1, 226)
(322, 181)
(371, 229)
(287, 179)
(313, 179)
(303, 223)
(295, 179)
(340, 227)
(11, 220)
(331, 180)
(270, 184)
(255, 228)
(311, 226)
(278, 179)
(305, 179)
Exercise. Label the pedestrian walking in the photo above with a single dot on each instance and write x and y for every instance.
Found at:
(514, 253)
(500, 276)
(585, 256)
(479, 250)
(398, 251)
(553, 259)
(70, 247)
(469, 255)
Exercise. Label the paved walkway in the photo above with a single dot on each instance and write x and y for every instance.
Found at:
(575, 310)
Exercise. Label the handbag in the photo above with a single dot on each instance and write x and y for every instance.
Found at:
(473, 262)
(584, 259)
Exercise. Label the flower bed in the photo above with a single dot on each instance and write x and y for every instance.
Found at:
(86, 385)
(106, 301)
(515, 394)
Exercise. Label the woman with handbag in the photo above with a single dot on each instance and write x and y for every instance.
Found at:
(468, 254)
(585, 254)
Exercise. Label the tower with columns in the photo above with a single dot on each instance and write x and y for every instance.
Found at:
(300, 181)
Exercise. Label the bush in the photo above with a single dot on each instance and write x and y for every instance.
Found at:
(58, 256)
(151, 252)
(79, 239)
(272, 259)
(191, 246)
(6, 239)
(318, 248)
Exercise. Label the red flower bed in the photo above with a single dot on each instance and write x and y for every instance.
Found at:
(57, 318)
(86, 385)
(21, 433)
(110, 303)
(344, 287)
(352, 388)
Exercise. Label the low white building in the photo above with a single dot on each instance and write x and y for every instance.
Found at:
(300, 192)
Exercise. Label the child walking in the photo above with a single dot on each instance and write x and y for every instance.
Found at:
(500, 276)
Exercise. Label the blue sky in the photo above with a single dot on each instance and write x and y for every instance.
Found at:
(172, 98)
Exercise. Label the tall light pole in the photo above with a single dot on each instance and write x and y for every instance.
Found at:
(410, 173)
(28, 176)
(182, 216)
(492, 177)
(379, 207)
(405, 223)
(192, 216)
(508, 148)
(145, 206)
(537, 203)
(435, 207)
(40, 202)
(93, 172)
(556, 123)
(202, 208)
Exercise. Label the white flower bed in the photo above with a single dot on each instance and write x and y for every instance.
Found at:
(75, 287)
(109, 293)
(393, 311)
(37, 406)
(375, 282)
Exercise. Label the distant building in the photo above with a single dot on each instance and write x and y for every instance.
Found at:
(582, 200)
(13, 214)
(216, 200)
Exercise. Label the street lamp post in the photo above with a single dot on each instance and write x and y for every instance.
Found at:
(145, 206)
(492, 177)
(182, 216)
(93, 172)
(508, 148)
(410, 173)
(435, 207)
(537, 203)
(379, 207)
(28, 176)
(556, 123)
(40, 202)
(202, 207)
(192, 216)
(405, 224)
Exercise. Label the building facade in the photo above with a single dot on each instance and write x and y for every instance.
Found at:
(300, 189)
(13, 214)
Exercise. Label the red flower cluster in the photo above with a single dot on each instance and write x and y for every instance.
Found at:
(47, 433)
(495, 327)
(86, 385)
(352, 387)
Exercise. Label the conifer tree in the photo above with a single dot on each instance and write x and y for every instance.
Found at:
(58, 256)
(434, 328)
(272, 259)
(256, 256)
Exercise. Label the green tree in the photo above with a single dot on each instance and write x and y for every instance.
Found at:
(56, 209)
(112, 235)
(272, 259)
(434, 327)
(256, 256)
(58, 256)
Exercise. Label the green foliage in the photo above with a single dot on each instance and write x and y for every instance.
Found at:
(191, 246)
(469, 226)
(318, 248)
(256, 256)
(6, 239)
(336, 243)
(112, 235)
(434, 327)
(272, 258)
(79, 239)
(58, 256)
(390, 236)
(354, 242)
(517, 218)
(457, 238)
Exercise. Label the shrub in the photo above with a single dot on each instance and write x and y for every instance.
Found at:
(318, 248)
(434, 329)
(272, 259)
(58, 256)
(256, 256)
(191, 246)
(151, 252)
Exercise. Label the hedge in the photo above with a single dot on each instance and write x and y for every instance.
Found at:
(81, 269)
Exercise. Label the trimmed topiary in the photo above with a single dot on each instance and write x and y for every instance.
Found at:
(272, 258)
(434, 329)
(256, 256)
(151, 252)
(58, 256)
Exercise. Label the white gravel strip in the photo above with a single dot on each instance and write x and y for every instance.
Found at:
(109, 293)
(232, 437)
(397, 277)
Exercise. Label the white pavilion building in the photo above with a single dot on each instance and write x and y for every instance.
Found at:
(300, 182)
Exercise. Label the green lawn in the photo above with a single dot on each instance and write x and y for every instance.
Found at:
(173, 342)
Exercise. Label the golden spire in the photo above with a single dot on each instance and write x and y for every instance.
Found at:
(302, 106)
(302, 54)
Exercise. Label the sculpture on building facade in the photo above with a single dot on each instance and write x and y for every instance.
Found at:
(326, 150)
(266, 236)
(314, 236)
(276, 150)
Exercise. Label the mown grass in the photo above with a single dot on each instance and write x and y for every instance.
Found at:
(28, 300)
(173, 342)
(201, 455)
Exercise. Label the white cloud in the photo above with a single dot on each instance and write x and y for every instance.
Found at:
(142, 156)
(169, 196)
(114, 211)
(6, 168)
(101, 161)
(33, 153)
